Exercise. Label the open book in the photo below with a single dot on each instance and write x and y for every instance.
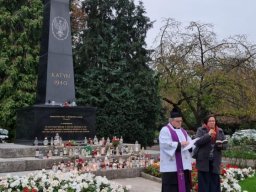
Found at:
(221, 142)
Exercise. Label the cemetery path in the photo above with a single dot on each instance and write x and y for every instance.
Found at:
(140, 184)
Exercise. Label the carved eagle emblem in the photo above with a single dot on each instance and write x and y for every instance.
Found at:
(60, 28)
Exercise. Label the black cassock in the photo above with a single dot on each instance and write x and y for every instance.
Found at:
(170, 181)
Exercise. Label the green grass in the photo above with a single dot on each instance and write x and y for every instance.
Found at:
(234, 153)
(249, 184)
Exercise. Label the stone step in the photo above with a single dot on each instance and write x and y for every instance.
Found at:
(28, 163)
(110, 174)
(120, 173)
(11, 165)
(11, 150)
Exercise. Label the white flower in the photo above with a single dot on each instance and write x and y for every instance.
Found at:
(232, 176)
(3, 183)
(104, 190)
(24, 182)
(84, 185)
(48, 181)
(50, 189)
(55, 183)
(65, 186)
(15, 184)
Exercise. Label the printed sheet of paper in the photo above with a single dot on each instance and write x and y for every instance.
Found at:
(190, 145)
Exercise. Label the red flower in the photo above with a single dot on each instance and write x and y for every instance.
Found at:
(115, 142)
(25, 189)
(79, 161)
(34, 190)
(196, 187)
(194, 174)
(115, 139)
(194, 177)
(228, 166)
(223, 172)
(94, 152)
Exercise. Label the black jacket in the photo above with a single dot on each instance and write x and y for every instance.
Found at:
(204, 148)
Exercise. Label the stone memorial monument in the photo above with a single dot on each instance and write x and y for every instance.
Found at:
(55, 110)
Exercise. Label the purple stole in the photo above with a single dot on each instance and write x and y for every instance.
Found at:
(179, 164)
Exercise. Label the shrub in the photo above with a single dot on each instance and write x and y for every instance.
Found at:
(153, 169)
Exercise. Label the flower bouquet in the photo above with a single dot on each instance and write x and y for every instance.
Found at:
(115, 142)
(79, 163)
(154, 170)
(70, 143)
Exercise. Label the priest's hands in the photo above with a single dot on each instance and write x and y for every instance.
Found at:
(184, 143)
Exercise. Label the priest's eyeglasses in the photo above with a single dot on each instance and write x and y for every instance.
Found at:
(178, 121)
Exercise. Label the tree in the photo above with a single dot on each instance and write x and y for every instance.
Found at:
(202, 75)
(112, 73)
(20, 24)
(78, 18)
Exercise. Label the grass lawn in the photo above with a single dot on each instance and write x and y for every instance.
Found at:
(240, 153)
(249, 184)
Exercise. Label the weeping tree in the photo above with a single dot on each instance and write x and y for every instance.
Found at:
(112, 72)
(20, 23)
(203, 75)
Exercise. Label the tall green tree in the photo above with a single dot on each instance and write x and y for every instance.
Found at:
(20, 23)
(111, 70)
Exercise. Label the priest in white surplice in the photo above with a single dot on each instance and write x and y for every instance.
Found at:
(175, 163)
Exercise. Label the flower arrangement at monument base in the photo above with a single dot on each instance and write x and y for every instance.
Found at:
(59, 182)
(153, 169)
(115, 142)
(70, 143)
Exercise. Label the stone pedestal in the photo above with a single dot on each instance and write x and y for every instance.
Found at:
(55, 86)
(45, 121)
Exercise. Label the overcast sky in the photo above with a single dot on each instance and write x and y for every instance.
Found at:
(229, 17)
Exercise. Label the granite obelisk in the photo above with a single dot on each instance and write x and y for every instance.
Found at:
(56, 76)
(55, 110)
